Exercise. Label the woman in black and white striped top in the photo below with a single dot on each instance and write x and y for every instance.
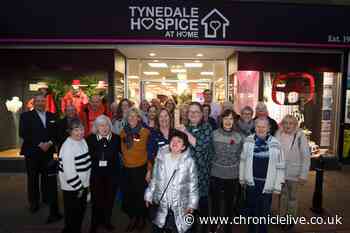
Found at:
(74, 174)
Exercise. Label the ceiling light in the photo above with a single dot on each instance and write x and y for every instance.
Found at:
(193, 65)
(133, 77)
(197, 61)
(152, 54)
(151, 73)
(158, 65)
(199, 55)
(207, 73)
(178, 70)
(155, 60)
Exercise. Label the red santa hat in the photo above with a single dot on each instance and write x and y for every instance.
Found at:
(76, 83)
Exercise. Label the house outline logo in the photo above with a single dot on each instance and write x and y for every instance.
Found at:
(215, 25)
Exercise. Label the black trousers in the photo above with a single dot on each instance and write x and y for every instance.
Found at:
(156, 229)
(202, 211)
(37, 179)
(259, 205)
(103, 192)
(224, 195)
(42, 184)
(133, 187)
(74, 211)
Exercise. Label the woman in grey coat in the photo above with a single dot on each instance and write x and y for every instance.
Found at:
(181, 197)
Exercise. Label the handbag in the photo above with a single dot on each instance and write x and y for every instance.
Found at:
(153, 209)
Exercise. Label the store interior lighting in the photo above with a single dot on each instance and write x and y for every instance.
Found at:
(151, 73)
(158, 65)
(178, 70)
(193, 65)
(207, 73)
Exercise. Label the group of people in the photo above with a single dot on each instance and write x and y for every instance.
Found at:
(201, 165)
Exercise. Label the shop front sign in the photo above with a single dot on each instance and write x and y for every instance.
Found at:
(178, 22)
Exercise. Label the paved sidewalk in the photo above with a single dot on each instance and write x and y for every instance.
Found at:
(16, 218)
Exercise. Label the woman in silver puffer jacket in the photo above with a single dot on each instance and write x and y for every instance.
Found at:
(181, 196)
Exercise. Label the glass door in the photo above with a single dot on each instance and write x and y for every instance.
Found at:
(183, 91)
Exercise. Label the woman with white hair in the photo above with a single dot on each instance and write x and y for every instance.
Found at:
(262, 169)
(136, 169)
(297, 153)
(104, 148)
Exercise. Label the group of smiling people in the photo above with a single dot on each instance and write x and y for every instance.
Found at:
(189, 169)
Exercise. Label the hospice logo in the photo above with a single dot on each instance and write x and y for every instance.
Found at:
(178, 22)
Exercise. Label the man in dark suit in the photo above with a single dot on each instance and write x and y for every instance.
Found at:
(38, 131)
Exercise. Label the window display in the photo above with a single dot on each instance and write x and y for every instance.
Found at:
(246, 89)
(74, 96)
(302, 94)
(43, 88)
(61, 88)
(295, 87)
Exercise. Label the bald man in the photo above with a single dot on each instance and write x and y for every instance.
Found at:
(262, 112)
(92, 110)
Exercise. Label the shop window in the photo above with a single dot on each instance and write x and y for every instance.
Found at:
(119, 77)
(61, 88)
(312, 98)
(246, 89)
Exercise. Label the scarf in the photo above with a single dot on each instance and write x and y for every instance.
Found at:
(132, 134)
(245, 127)
(261, 145)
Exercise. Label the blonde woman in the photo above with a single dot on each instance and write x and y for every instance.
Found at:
(136, 169)
(297, 154)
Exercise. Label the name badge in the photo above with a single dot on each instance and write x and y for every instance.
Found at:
(102, 163)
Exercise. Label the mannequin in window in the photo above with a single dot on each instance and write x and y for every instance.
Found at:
(75, 96)
(43, 88)
(101, 90)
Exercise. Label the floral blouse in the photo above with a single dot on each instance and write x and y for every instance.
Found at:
(202, 154)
